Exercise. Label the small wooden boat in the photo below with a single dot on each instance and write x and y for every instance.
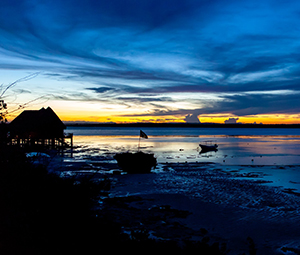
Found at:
(138, 162)
(208, 146)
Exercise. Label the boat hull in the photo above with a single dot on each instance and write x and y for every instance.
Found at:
(138, 162)
(205, 148)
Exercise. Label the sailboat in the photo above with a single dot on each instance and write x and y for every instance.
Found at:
(136, 162)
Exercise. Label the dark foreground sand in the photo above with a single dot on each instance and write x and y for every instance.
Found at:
(223, 224)
(213, 204)
(195, 201)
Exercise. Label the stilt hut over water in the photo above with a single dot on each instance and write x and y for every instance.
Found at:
(39, 128)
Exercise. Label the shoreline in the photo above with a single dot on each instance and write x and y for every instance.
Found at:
(227, 204)
(267, 215)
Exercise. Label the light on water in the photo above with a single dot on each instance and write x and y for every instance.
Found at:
(254, 150)
(182, 144)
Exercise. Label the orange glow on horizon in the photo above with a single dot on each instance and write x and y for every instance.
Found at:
(81, 114)
(264, 119)
(120, 120)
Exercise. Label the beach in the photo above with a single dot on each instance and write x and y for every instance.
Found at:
(230, 209)
(224, 206)
(246, 208)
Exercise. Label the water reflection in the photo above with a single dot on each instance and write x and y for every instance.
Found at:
(231, 151)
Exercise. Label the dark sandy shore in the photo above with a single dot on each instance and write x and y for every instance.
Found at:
(195, 201)
(230, 210)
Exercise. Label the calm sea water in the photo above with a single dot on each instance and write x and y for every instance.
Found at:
(273, 154)
(237, 146)
(169, 131)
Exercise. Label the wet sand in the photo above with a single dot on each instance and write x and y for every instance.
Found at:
(230, 209)
(250, 190)
(224, 224)
(227, 204)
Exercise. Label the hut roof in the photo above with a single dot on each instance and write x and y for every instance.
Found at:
(37, 120)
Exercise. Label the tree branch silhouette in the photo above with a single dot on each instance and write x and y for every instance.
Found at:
(3, 105)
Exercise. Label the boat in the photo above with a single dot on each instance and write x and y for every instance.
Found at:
(137, 162)
(208, 146)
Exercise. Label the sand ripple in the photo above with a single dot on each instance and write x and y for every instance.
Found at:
(218, 187)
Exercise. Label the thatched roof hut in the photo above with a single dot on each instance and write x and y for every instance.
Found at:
(43, 123)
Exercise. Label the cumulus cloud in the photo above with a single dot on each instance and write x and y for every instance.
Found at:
(231, 121)
(191, 118)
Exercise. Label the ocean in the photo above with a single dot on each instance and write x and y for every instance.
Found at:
(268, 154)
(175, 131)
(250, 186)
(236, 146)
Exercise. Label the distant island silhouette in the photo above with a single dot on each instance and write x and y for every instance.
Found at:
(184, 125)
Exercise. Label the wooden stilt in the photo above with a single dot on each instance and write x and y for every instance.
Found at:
(139, 143)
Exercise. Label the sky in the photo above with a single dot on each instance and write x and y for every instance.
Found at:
(153, 60)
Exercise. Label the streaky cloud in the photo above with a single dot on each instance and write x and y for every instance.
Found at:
(204, 57)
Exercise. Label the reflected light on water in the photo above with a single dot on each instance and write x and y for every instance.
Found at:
(276, 158)
(244, 150)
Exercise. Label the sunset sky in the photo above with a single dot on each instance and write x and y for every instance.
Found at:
(153, 60)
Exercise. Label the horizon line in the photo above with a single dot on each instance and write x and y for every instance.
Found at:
(143, 124)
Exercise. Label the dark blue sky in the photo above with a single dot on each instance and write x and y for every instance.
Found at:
(164, 59)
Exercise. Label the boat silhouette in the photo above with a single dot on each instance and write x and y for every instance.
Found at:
(207, 146)
(136, 162)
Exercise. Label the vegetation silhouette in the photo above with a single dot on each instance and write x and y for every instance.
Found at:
(4, 112)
